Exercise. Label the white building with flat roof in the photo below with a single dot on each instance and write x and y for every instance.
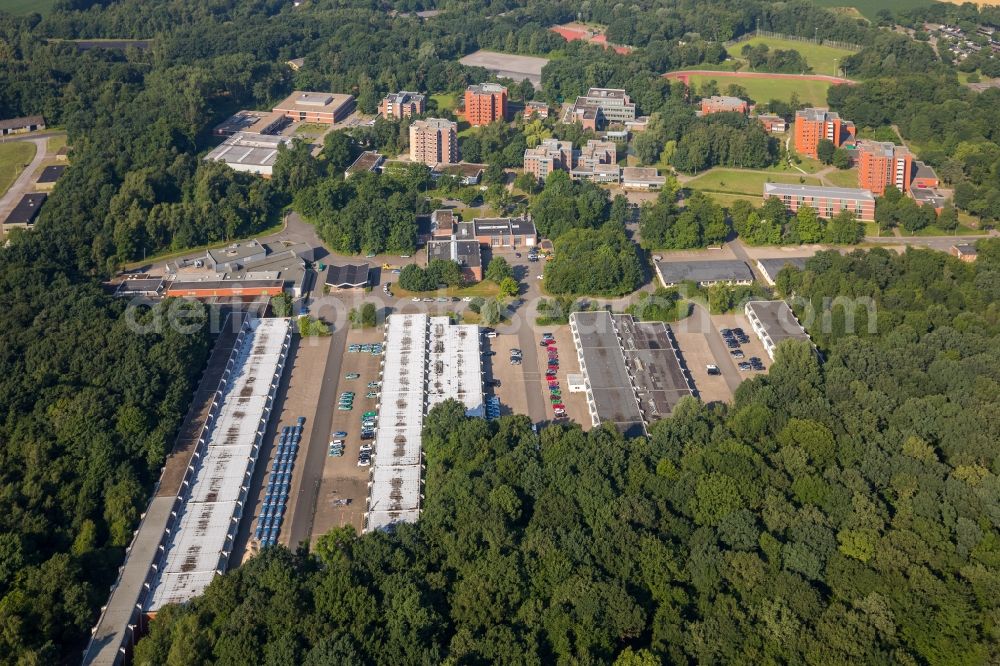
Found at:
(252, 153)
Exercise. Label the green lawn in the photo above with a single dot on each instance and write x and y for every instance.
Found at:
(870, 7)
(21, 7)
(821, 58)
(484, 289)
(14, 157)
(54, 143)
(764, 90)
(962, 230)
(445, 101)
(846, 178)
(736, 181)
(314, 129)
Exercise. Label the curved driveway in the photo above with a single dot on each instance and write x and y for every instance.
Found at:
(22, 185)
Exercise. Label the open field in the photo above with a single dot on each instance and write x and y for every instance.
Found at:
(445, 101)
(823, 59)
(13, 158)
(21, 7)
(54, 143)
(846, 178)
(763, 88)
(736, 181)
(516, 67)
(871, 7)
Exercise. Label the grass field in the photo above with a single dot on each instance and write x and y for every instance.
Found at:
(55, 143)
(846, 178)
(445, 101)
(21, 7)
(822, 59)
(13, 158)
(870, 7)
(737, 181)
(764, 90)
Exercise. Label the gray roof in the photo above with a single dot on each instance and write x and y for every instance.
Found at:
(26, 209)
(771, 267)
(18, 123)
(367, 161)
(778, 320)
(685, 270)
(464, 252)
(817, 191)
(350, 275)
(51, 174)
(236, 252)
(249, 149)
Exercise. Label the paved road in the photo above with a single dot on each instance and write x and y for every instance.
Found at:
(22, 185)
(942, 243)
(300, 527)
(740, 252)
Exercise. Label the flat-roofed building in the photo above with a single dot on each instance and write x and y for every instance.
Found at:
(703, 273)
(199, 539)
(640, 124)
(774, 322)
(548, 156)
(252, 122)
(316, 107)
(402, 105)
(597, 161)
(25, 212)
(251, 153)
(433, 141)
(773, 124)
(826, 201)
(367, 162)
(812, 125)
(642, 178)
(48, 177)
(632, 373)
(485, 103)
(21, 125)
(597, 173)
(443, 223)
(536, 109)
(427, 360)
(724, 104)
(468, 254)
(614, 103)
(883, 163)
(499, 232)
(467, 173)
(770, 268)
(926, 196)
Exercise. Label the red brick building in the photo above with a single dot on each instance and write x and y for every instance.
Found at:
(881, 164)
(813, 125)
(827, 201)
(773, 124)
(724, 104)
(485, 103)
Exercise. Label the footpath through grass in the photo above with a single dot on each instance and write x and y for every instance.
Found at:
(14, 157)
(822, 58)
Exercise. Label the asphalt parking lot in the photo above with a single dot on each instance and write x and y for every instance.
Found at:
(344, 486)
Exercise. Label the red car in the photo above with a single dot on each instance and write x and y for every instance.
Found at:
(559, 407)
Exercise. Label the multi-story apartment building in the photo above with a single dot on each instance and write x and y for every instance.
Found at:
(434, 141)
(724, 104)
(827, 201)
(881, 164)
(402, 105)
(548, 156)
(485, 103)
(812, 125)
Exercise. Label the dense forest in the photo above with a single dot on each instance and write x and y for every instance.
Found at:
(842, 511)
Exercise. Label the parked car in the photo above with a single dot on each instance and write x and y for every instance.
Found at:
(713, 369)
(737, 353)
(351, 375)
(491, 334)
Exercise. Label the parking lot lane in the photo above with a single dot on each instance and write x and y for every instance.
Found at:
(532, 372)
(343, 489)
(305, 489)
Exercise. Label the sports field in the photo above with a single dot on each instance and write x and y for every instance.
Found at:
(20, 7)
(14, 157)
(764, 89)
(823, 59)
